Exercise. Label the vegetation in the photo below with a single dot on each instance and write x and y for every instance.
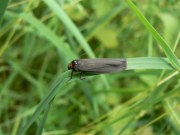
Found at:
(38, 38)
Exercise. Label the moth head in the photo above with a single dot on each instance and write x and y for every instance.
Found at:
(72, 65)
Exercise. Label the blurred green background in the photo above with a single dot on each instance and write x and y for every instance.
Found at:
(38, 38)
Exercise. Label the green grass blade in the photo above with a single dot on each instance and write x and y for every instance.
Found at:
(50, 36)
(42, 123)
(174, 117)
(18, 68)
(3, 6)
(169, 53)
(58, 84)
(149, 63)
(101, 22)
(71, 26)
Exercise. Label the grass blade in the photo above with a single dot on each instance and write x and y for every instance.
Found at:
(42, 123)
(71, 26)
(149, 63)
(58, 84)
(52, 37)
(3, 7)
(169, 53)
(101, 22)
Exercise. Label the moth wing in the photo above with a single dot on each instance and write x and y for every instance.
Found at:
(98, 66)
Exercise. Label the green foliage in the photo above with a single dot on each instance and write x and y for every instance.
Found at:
(3, 7)
(39, 38)
(166, 48)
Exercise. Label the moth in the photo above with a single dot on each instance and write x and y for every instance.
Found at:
(97, 66)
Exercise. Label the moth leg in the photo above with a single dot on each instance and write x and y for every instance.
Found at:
(80, 77)
(71, 74)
